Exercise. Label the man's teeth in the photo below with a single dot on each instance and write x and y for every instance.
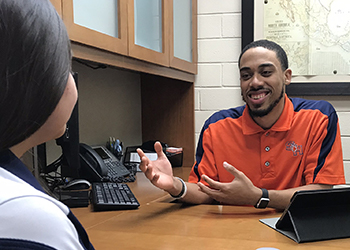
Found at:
(256, 97)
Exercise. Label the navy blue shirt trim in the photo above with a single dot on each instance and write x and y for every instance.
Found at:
(298, 104)
(17, 244)
(233, 113)
(15, 166)
(332, 128)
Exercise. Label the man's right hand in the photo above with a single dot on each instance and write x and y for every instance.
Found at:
(159, 172)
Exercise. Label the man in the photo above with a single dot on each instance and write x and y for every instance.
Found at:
(261, 153)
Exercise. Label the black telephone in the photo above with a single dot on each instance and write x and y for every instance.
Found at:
(98, 164)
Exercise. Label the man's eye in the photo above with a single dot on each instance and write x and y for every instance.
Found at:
(266, 73)
(245, 76)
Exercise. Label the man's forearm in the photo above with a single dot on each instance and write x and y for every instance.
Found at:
(280, 199)
(195, 196)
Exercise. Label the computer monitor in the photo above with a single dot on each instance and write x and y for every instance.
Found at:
(69, 142)
(69, 162)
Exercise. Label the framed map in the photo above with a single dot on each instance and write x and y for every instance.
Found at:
(315, 35)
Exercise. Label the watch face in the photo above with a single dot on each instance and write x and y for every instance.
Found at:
(263, 202)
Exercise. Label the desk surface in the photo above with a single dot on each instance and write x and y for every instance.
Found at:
(160, 224)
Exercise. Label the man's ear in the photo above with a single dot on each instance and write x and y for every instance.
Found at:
(287, 76)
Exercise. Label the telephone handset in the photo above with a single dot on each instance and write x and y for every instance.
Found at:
(98, 164)
(92, 166)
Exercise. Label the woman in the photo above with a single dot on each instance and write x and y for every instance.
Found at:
(37, 96)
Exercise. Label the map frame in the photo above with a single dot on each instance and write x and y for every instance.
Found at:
(300, 86)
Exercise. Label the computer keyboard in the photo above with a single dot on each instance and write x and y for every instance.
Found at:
(112, 196)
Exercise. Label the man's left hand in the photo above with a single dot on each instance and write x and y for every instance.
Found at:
(240, 191)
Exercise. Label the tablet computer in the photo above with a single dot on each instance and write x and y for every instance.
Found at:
(315, 215)
(324, 199)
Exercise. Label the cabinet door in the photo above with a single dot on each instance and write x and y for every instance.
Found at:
(148, 22)
(101, 24)
(183, 35)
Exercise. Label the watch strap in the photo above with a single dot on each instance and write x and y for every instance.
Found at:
(264, 200)
(183, 190)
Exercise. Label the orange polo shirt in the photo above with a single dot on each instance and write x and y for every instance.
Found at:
(302, 147)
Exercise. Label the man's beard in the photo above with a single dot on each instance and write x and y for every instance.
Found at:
(264, 112)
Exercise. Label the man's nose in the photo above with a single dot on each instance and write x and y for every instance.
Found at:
(256, 81)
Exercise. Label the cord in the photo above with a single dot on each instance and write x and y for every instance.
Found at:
(99, 66)
(52, 176)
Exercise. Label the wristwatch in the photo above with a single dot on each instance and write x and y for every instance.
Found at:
(264, 200)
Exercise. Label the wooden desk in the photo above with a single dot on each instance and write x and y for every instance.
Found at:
(160, 224)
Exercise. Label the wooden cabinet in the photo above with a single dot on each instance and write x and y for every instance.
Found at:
(168, 113)
(80, 18)
(166, 75)
(183, 35)
(174, 32)
(57, 5)
(149, 30)
(140, 24)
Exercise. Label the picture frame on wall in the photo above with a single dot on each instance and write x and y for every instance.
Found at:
(318, 49)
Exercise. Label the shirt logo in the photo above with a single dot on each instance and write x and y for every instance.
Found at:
(295, 148)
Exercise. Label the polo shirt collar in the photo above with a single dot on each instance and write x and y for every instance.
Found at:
(283, 123)
(12, 164)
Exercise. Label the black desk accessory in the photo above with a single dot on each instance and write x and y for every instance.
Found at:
(76, 195)
(315, 215)
(106, 196)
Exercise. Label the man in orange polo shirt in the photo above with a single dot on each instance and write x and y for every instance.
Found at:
(261, 153)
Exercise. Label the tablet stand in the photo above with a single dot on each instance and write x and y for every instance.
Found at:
(315, 215)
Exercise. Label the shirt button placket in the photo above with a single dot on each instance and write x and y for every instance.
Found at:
(265, 153)
(267, 163)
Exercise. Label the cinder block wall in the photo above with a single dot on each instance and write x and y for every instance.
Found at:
(217, 83)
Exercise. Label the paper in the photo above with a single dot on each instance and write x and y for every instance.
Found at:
(134, 157)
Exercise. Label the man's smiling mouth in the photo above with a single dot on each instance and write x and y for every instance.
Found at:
(257, 95)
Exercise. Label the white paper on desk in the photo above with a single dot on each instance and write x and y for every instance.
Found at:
(134, 157)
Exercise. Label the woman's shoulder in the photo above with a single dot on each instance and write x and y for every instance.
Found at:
(29, 214)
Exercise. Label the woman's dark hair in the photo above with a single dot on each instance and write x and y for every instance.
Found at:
(280, 53)
(35, 61)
